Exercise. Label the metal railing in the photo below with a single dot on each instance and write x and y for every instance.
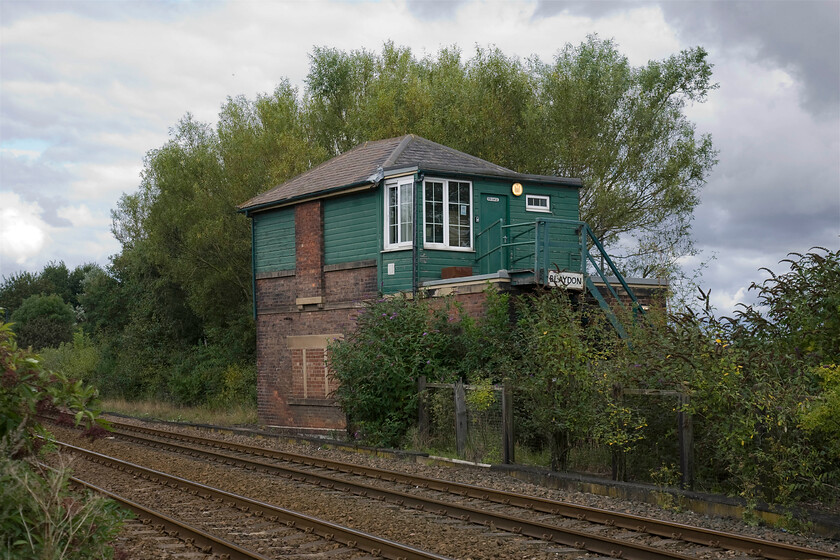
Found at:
(556, 244)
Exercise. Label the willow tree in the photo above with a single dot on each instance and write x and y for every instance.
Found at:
(588, 114)
(623, 130)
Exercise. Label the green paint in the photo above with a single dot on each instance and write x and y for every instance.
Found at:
(351, 227)
(274, 240)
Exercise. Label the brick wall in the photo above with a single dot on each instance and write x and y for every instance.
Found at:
(309, 247)
(291, 341)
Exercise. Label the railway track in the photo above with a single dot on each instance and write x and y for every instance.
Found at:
(264, 531)
(614, 534)
(163, 526)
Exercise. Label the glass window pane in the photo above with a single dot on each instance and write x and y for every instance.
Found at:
(465, 237)
(464, 192)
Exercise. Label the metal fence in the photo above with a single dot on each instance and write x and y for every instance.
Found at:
(475, 421)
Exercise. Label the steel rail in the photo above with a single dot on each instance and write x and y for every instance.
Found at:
(205, 542)
(534, 529)
(708, 537)
(323, 529)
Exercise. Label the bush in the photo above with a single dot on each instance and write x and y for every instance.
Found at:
(378, 365)
(30, 389)
(763, 387)
(41, 518)
(78, 359)
(43, 321)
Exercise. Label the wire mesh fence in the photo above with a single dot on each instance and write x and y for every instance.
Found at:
(467, 422)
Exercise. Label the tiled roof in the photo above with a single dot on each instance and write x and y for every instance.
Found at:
(359, 166)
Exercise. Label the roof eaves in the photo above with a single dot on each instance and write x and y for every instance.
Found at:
(301, 198)
(564, 181)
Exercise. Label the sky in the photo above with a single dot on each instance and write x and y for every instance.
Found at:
(87, 88)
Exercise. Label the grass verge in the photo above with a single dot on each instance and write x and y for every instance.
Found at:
(237, 415)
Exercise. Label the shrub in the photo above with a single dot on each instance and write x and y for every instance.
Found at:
(41, 518)
(78, 359)
(377, 366)
(556, 378)
(43, 321)
(30, 389)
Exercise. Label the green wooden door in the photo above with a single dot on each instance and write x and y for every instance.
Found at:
(491, 208)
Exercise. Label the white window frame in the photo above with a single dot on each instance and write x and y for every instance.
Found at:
(397, 184)
(532, 208)
(445, 246)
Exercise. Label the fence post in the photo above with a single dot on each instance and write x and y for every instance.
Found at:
(460, 419)
(686, 435)
(619, 459)
(422, 411)
(507, 425)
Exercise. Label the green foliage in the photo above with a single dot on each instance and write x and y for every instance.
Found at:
(762, 398)
(624, 132)
(753, 382)
(41, 519)
(78, 359)
(798, 312)
(396, 340)
(30, 389)
(55, 278)
(821, 418)
(561, 346)
(43, 320)
(206, 375)
(18, 287)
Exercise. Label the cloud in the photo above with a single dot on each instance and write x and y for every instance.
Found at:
(22, 232)
(434, 9)
(78, 234)
(777, 184)
(802, 37)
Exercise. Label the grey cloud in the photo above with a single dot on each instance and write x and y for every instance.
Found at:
(594, 9)
(803, 37)
(27, 177)
(14, 10)
(434, 9)
(50, 206)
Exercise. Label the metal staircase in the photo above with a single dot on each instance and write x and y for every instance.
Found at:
(555, 251)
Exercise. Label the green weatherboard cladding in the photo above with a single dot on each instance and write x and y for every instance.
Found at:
(351, 227)
(353, 231)
(563, 203)
(400, 281)
(274, 240)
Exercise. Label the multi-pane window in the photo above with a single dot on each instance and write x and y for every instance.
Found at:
(536, 203)
(434, 211)
(399, 213)
(448, 214)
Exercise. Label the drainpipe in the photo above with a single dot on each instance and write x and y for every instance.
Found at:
(417, 202)
(253, 268)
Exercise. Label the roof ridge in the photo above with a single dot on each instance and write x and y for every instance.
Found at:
(470, 156)
(406, 140)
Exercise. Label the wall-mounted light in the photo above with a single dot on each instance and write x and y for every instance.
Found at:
(516, 189)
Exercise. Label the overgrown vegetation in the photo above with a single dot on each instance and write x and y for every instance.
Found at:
(763, 386)
(39, 516)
